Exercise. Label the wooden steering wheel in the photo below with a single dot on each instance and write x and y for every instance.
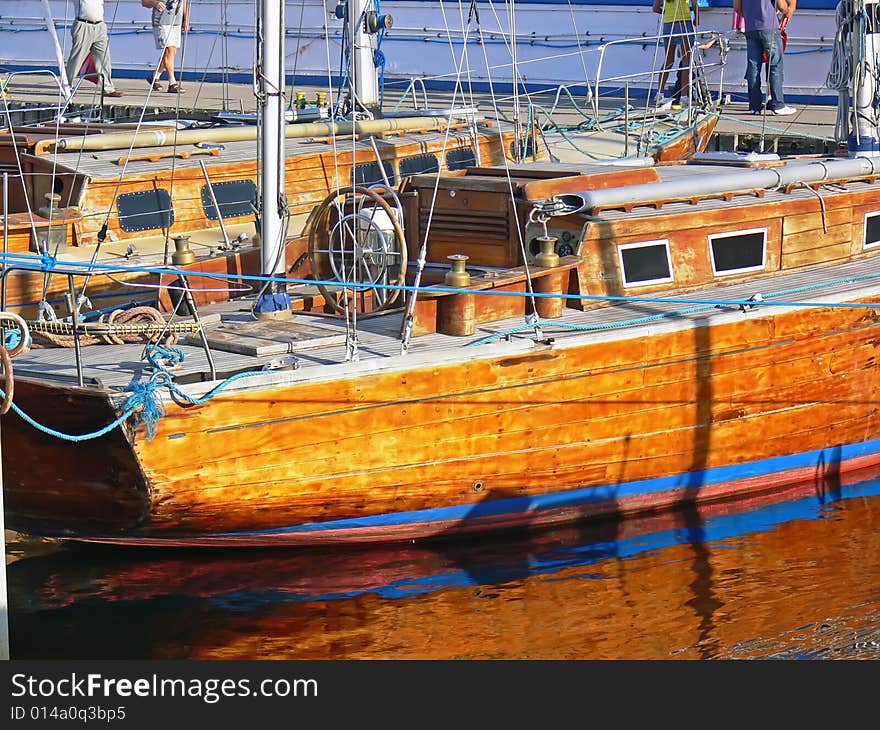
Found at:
(357, 244)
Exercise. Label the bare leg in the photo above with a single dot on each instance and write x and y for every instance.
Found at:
(685, 70)
(168, 56)
(667, 64)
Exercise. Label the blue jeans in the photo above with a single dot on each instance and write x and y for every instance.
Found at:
(757, 42)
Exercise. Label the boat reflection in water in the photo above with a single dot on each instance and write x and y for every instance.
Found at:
(786, 575)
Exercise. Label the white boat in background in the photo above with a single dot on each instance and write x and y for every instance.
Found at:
(556, 42)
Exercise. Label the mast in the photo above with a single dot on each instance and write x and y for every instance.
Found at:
(59, 56)
(274, 297)
(363, 30)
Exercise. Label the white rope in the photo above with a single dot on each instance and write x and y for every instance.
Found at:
(840, 73)
(517, 226)
(421, 261)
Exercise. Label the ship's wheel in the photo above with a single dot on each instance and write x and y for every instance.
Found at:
(357, 245)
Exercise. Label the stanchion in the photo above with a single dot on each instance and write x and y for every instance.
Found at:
(4, 599)
(4, 595)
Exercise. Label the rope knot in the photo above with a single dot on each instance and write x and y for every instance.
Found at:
(144, 405)
(163, 358)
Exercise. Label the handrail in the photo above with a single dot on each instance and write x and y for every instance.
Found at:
(60, 108)
(411, 86)
(650, 74)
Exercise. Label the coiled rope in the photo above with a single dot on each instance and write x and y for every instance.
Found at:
(137, 324)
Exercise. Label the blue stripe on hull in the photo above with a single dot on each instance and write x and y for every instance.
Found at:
(712, 529)
(824, 459)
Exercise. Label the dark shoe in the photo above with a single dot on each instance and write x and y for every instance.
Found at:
(114, 94)
(154, 82)
(174, 88)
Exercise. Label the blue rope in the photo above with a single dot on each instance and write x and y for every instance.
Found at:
(596, 326)
(12, 339)
(379, 62)
(161, 357)
(211, 393)
(144, 406)
(707, 305)
(379, 57)
(67, 437)
(13, 259)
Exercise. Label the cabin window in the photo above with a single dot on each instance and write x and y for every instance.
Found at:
(145, 210)
(461, 158)
(370, 174)
(419, 165)
(645, 263)
(738, 251)
(235, 198)
(872, 229)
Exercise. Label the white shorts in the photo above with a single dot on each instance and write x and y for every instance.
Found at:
(166, 35)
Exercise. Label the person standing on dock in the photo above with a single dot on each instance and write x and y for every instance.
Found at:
(88, 35)
(764, 35)
(170, 20)
(679, 31)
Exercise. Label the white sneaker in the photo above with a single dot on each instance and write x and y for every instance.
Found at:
(662, 103)
(784, 111)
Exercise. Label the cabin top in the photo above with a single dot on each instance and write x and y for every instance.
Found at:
(157, 160)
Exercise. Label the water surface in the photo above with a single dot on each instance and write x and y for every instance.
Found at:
(794, 575)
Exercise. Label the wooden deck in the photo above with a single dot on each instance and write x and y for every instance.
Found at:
(115, 366)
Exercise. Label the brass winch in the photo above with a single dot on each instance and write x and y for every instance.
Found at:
(548, 256)
(183, 254)
(458, 276)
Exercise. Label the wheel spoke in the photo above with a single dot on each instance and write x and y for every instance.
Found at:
(364, 249)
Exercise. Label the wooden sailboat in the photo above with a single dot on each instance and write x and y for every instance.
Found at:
(573, 342)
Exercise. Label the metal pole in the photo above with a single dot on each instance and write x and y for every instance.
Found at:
(214, 201)
(4, 596)
(191, 302)
(274, 296)
(866, 38)
(50, 26)
(364, 79)
(5, 216)
(71, 301)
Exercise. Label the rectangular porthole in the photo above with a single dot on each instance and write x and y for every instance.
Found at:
(236, 198)
(370, 174)
(738, 251)
(872, 229)
(419, 165)
(460, 158)
(145, 210)
(645, 263)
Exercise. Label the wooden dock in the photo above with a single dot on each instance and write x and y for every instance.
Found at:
(29, 96)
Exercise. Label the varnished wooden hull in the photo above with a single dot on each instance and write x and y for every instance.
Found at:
(635, 423)
(689, 141)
